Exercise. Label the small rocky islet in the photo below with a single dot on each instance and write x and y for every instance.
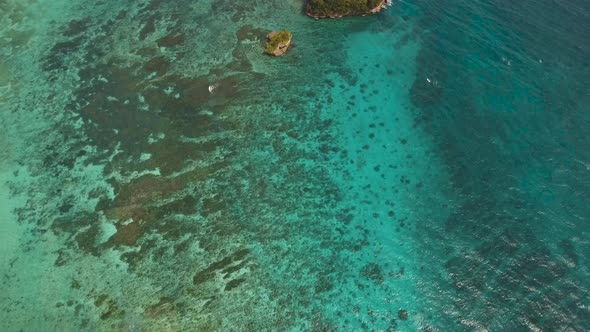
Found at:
(278, 43)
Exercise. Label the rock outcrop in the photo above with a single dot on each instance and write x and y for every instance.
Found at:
(340, 8)
(278, 42)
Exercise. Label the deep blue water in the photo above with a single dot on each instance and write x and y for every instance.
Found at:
(426, 168)
(511, 124)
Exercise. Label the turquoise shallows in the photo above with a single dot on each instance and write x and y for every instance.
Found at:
(426, 168)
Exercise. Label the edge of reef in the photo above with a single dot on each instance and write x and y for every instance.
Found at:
(375, 10)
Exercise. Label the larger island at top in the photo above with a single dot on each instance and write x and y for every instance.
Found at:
(339, 8)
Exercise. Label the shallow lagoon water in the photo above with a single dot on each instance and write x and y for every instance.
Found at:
(430, 158)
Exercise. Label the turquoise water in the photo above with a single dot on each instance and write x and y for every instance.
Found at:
(431, 160)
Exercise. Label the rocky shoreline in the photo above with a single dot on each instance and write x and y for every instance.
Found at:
(278, 43)
(337, 14)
